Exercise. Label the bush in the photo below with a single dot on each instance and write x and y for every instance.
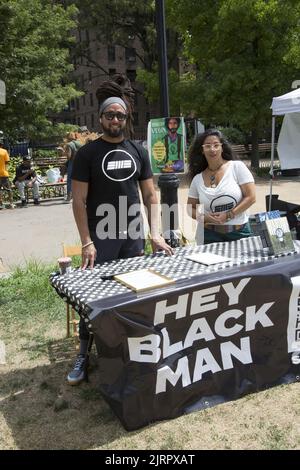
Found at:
(233, 135)
(41, 153)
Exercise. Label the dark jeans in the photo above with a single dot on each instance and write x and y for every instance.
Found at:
(210, 236)
(108, 250)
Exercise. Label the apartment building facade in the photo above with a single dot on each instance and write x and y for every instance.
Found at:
(100, 62)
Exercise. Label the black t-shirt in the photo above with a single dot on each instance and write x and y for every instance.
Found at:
(21, 170)
(112, 170)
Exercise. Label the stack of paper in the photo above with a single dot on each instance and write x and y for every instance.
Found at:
(208, 258)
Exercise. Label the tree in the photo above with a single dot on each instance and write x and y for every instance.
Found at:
(243, 52)
(126, 23)
(34, 63)
(118, 22)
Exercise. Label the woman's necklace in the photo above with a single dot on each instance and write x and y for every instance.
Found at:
(213, 176)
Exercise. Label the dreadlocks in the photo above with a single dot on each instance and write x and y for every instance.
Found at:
(119, 86)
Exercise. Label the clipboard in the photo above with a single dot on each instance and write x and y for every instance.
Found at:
(144, 279)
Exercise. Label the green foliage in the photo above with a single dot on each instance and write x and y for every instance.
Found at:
(263, 172)
(28, 293)
(40, 153)
(12, 165)
(118, 22)
(233, 135)
(244, 52)
(35, 64)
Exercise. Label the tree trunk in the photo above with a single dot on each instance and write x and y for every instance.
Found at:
(254, 150)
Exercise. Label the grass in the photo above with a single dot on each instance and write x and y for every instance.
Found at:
(38, 410)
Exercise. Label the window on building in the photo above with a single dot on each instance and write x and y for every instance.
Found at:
(111, 53)
(84, 119)
(147, 117)
(83, 100)
(90, 76)
(130, 55)
(131, 74)
(92, 121)
(72, 105)
(78, 121)
(91, 99)
(87, 36)
(77, 104)
(136, 119)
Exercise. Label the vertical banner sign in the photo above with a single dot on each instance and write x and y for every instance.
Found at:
(166, 144)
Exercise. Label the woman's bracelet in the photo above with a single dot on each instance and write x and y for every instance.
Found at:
(87, 244)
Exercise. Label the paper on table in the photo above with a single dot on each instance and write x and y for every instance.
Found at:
(143, 279)
(208, 258)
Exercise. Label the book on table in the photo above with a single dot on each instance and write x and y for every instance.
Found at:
(143, 279)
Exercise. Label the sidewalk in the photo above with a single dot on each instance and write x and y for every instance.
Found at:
(38, 231)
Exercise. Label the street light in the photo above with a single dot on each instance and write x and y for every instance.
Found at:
(168, 184)
(162, 57)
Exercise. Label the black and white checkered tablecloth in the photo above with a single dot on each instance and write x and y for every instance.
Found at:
(83, 287)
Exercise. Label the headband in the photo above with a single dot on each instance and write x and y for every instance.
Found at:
(112, 100)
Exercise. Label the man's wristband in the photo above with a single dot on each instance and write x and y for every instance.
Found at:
(87, 244)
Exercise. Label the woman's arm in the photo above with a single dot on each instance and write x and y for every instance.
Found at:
(193, 210)
(192, 204)
(249, 198)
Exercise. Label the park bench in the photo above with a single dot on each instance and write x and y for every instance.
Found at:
(49, 190)
(45, 163)
(240, 150)
(46, 190)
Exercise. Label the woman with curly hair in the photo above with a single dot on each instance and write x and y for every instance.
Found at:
(223, 185)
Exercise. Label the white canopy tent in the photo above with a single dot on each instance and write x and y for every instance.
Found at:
(288, 147)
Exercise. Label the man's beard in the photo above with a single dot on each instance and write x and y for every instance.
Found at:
(113, 131)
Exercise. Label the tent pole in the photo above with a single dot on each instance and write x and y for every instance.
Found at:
(272, 161)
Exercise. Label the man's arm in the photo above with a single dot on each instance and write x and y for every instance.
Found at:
(151, 203)
(21, 177)
(79, 192)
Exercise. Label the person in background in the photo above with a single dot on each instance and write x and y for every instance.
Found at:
(223, 185)
(107, 172)
(73, 144)
(4, 177)
(26, 176)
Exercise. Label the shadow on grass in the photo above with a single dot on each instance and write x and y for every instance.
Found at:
(43, 412)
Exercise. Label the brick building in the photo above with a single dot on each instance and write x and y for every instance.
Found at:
(104, 61)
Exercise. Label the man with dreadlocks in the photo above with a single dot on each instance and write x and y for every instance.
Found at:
(106, 202)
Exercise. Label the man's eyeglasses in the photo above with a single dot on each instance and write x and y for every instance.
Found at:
(216, 146)
(110, 116)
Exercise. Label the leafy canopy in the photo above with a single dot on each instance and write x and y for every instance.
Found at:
(243, 52)
(34, 63)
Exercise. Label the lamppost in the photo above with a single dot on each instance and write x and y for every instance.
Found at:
(168, 184)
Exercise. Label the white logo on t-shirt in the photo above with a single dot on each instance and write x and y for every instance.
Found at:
(118, 165)
(223, 203)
